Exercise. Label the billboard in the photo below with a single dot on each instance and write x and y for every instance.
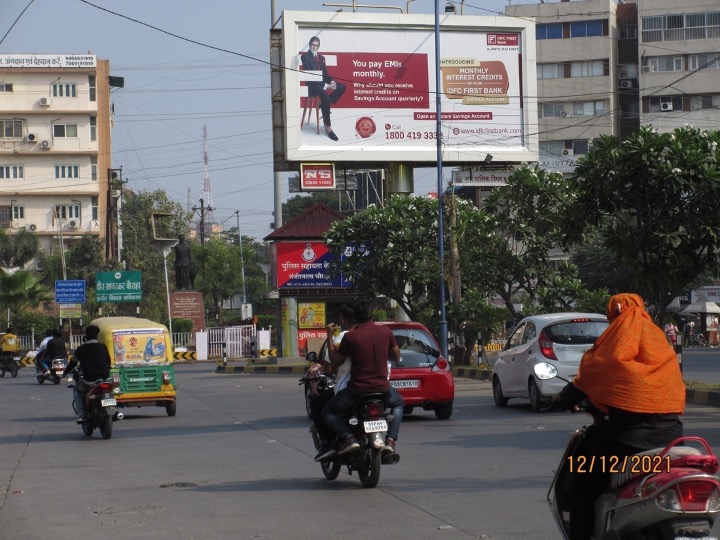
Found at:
(374, 77)
(306, 264)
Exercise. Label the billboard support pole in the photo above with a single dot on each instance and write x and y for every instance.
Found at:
(438, 132)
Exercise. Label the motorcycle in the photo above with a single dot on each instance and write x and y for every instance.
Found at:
(9, 363)
(100, 409)
(368, 423)
(316, 382)
(670, 493)
(55, 375)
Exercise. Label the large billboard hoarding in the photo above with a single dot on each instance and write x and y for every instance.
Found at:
(374, 76)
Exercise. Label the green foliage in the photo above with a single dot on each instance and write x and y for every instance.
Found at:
(221, 276)
(296, 205)
(22, 290)
(18, 249)
(29, 322)
(476, 317)
(182, 325)
(656, 199)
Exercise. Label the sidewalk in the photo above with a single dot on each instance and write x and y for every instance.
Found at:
(298, 365)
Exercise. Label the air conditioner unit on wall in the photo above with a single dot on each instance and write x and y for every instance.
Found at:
(45, 101)
(626, 83)
(32, 227)
(30, 137)
(566, 114)
(72, 224)
(667, 106)
(568, 152)
(648, 69)
(46, 144)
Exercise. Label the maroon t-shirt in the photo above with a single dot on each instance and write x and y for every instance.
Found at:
(368, 346)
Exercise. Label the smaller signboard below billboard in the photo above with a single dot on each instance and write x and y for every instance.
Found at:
(311, 315)
(71, 311)
(121, 286)
(188, 305)
(480, 178)
(317, 176)
(306, 264)
(70, 291)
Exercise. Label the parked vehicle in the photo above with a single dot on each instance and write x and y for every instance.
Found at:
(542, 355)
(100, 409)
(369, 424)
(669, 493)
(423, 376)
(141, 362)
(55, 375)
(9, 363)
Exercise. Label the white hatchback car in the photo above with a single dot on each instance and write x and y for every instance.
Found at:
(542, 355)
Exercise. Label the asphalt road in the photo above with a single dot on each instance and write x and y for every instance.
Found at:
(236, 462)
(701, 365)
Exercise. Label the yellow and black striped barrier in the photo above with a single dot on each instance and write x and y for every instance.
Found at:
(268, 352)
(187, 355)
(493, 347)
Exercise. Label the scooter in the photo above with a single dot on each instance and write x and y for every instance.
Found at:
(670, 493)
(57, 367)
(369, 424)
(100, 409)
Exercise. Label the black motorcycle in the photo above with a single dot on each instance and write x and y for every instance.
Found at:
(100, 409)
(369, 424)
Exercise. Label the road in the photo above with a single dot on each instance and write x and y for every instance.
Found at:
(236, 462)
(702, 365)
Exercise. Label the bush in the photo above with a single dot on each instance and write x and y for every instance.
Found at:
(27, 323)
(182, 326)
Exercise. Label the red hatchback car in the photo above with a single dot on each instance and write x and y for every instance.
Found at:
(423, 375)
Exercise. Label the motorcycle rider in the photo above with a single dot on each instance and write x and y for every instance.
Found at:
(342, 377)
(94, 360)
(632, 375)
(55, 348)
(368, 346)
(41, 351)
(9, 341)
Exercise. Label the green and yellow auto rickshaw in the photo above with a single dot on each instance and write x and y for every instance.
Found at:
(141, 362)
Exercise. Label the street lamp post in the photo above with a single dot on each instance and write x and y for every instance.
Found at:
(438, 133)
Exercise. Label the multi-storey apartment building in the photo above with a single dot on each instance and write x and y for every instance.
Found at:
(607, 67)
(54, 146)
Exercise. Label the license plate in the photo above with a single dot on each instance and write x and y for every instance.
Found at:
(412, 383)
(373, 426)
(107, 402)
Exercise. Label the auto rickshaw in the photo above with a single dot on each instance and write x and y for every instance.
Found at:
(141, 362)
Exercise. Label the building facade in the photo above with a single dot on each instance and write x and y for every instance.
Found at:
(55, 148)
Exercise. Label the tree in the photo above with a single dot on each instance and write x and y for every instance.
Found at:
(18, 249)
(656, 199)
(22, 290)
(221, 278)
(296, 205)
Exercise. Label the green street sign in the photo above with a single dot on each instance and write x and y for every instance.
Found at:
(118, 286)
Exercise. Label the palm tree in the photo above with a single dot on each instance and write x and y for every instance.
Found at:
(21, 290)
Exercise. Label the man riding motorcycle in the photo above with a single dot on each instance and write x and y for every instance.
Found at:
(94, 360)
(632, 375)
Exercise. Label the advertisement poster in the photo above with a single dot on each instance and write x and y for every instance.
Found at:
(311, 315)
(375, 78)
(139, 346)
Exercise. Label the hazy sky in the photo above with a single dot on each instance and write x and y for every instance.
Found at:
(187, 65)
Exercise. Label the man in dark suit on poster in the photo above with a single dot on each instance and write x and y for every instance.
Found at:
(312, 61)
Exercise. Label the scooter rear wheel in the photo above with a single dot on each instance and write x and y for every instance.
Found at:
(331, 469)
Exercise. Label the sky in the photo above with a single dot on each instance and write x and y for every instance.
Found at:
(189, 66)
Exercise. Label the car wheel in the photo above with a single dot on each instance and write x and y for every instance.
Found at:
(2, 372)
(444, 411)
(408, 410)
(536, 402)
(498, 396)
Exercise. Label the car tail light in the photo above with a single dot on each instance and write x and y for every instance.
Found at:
(374, 410)
(116, 379)
(546, 346)
(441, 365)
(166, 377)
(690, 496)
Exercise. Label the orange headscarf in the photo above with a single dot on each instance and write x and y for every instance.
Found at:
(632, 366)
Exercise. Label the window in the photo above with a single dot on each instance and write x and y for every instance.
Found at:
(630, 110)
(94, 205)
(550, 110)
(552, 148)
(6, 87)
(93, 128)
(11, 129)
(4, 216)
(67, 171)
(628, 31)
(93, 168)
(9, 172)
(704, 61)
(64, 90)
(18, 212)
(698, 103)
(530, 333)
(666, 63)
(65, 130)
(586, 28)
(681, 27)
(667, 103)
(69, 211)
(550, 71)
(589, 108)
(516, 338)
(591, 68)
(549, 31)
(580, 146)
(92, 88)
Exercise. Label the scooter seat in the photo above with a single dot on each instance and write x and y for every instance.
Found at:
(620, 478)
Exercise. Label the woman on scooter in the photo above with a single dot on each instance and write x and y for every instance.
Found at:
(632, 375)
